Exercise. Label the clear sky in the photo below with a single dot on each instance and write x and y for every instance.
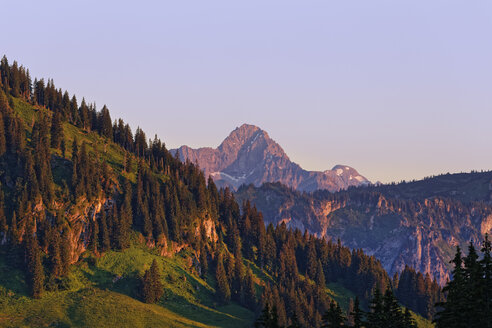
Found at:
(396, 89)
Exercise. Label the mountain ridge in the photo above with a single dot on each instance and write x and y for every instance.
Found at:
(249, 156)
(415, 223)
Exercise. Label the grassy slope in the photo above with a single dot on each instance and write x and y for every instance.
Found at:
(94, 299)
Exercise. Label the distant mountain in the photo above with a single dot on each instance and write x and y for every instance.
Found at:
(417, 223)
(249, 156)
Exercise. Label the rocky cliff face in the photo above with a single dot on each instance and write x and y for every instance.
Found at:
(249, 156)
(422, 233)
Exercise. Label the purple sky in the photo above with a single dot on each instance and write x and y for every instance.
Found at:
(396, 89)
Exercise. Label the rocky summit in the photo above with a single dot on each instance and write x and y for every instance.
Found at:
(249, 156)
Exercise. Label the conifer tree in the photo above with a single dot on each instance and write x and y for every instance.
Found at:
(63, 148)
(452, 312)
(357, 314)
(104, 232)
(223, 289)
(376, 316)
(56, 131)
(3, 140)
(294, 321)
(4, 103)
(333, 317)
(203, 260)
(4, 228)
(268, 318)
(152, 290)
(486, 284)
(66, 252)
(94, 240)
(391, 310)
(408, 321)
(473, 279)
(320, 276)
(250, 290)
(34, 265)
(105, 125)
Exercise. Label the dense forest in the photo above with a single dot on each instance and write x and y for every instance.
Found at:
(469, 293)
(165, 201)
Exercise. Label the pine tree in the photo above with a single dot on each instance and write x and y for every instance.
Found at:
(333, 317)
(156, 280)
(104, 232)
(34, 265)
(63, 148)
(203, 261)
(152, 289)
(105, 125)
(408, 321)
(250, 291)
(3, 140)
(376, 318)
(268, 318)
(357, 314)
(4, 103)
(56, 131)
(66, 252)
(94, 240)
(473, 278)
(486, 284)
(452, 312)
(223, 289)
(294, 321)
(3, 218)
(320, 276)
(147, 290)
(391, 310)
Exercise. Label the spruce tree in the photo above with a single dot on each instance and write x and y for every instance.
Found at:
(473, 279)
(375, 317)
(294, 321)
(268, 318)
(357, 314)
(408, 321)
(56, 131)
(34, 265)
(3, 140)
(486, 284)
(320, 276)
(333, 317)
(223, 289)
(152, 289)
(452, 312)
(104, 236)
(391, 310)
(250, 291)
(3, 218)
(156, 280)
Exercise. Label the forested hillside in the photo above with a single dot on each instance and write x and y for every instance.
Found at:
(95, 220)
(416, 224)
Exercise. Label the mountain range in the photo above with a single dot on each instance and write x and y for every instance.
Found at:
(249, 156)
(417, 223)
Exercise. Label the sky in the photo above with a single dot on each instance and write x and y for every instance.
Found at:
(398, 90)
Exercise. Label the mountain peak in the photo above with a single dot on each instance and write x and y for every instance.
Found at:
(248, 155)
(241, 135)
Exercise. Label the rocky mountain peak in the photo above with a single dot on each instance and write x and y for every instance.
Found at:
(249, 156)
